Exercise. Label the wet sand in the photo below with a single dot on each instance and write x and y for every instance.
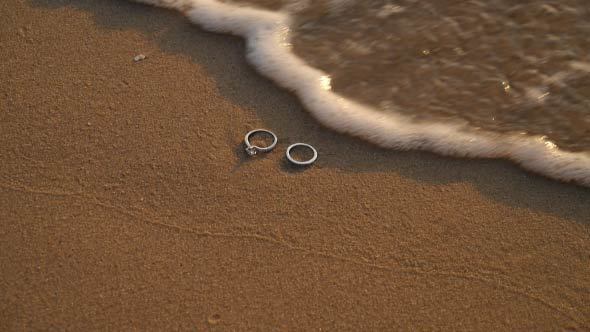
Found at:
(126, 201)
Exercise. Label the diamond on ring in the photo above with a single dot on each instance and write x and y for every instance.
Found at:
(252, 149)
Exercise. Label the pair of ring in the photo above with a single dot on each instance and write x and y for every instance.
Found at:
(252, 149)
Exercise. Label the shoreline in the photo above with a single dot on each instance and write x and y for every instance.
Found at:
(268, 51)
(128, 201)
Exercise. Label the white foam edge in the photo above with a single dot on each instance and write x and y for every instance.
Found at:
(269, 51)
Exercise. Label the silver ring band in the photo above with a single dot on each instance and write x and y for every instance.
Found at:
(253, 149)
(305, 162)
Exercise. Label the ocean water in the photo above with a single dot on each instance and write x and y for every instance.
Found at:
(493, 79)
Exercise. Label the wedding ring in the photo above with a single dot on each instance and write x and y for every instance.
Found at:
(253, 149)
(304, 162)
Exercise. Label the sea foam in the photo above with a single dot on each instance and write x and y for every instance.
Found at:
(267, 36)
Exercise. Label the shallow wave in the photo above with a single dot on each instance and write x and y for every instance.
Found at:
(267, 37)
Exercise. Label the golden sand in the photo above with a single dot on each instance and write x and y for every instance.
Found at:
(126, 201)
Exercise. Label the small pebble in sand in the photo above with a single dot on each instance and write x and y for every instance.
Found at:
(214, 319)
(139, 57)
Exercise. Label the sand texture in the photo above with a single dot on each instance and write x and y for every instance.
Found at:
(127, 203)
